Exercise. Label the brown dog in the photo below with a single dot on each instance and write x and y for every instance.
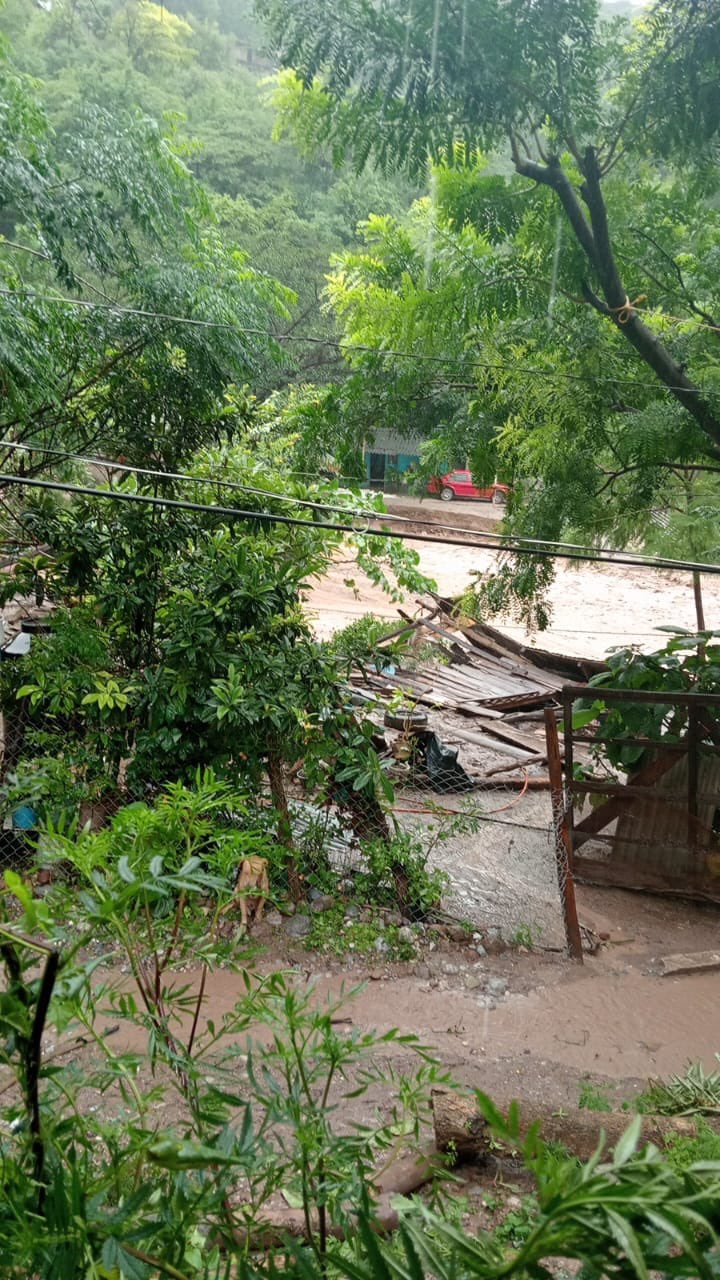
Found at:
(252, 888)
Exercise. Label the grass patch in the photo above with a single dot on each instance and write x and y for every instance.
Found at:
(697, 1092)
(682, 1151)
(333, 934)
(593, 1097)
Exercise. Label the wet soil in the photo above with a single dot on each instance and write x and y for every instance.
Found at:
(523, 1023)
(592, 607)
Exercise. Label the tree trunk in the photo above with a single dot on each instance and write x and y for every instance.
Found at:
(284, 827)
(593, 237)
(403, 1176)
(699, 607)
(461, 1128)
(364, 810)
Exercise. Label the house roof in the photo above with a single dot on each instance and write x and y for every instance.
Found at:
(386, 440)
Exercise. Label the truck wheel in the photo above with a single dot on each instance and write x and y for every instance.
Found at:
(447, 494)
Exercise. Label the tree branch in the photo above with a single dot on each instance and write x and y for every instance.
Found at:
(696, 310)
(553, 175)
(677, 467)
(619, 309)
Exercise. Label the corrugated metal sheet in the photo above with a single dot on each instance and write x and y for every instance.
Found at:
(656, 832)
(483, 681)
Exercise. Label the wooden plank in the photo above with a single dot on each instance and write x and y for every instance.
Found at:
(534, 699)
(565, 666)
(511, 783)
(621, 876)
(694, 962)
(484, 740)
(481, 709)
(437, 630)
(511, 666)
(526, 670)
(600, 817)
(530, 742)
(515, 764)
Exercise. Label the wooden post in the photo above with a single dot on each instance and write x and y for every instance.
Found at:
(563, 846)
(692, 773)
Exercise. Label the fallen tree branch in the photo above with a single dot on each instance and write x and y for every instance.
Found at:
(463, 1130)
(401, 1178)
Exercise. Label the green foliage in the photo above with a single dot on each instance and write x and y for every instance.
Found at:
(128, 220)
(684, 1151)
(205, 825)
(527, 935)
(92, 1191)
(697, 1092)
(592, 1096)
(188, 69)
(503, 292)
(688, 663)
(682, 62)
(333, 934)
(397, 875)
(100, 1190)
(190, 647)
(428, 69)
(359, 640)
(49, 787)
(518, 1224)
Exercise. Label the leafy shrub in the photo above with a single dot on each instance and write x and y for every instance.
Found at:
(592, 1097)
(207, 826)
(397, 875)
(694, 1093)
(358, 642)
(518, 1223)
(685, 1150)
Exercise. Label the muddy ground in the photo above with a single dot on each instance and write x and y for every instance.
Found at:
(593, 608)
(525, 1023)
(520, 1023)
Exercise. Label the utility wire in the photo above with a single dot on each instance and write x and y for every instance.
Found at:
(346, 347)
(266, 517)
(360, 513)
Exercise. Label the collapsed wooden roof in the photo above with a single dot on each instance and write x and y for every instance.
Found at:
(487, 672)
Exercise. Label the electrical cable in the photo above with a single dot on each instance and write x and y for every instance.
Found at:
(266, 517)
(384, 352)
(360, 513)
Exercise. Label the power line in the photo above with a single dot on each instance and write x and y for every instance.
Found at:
(267, 517)
(346, 347)
(511, 541)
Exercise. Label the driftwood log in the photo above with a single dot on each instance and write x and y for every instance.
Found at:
(460, 1128)
(406, 1174)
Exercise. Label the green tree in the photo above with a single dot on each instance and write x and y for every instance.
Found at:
(123, 314)
(549, 81)
(586, 404)
(288, 212)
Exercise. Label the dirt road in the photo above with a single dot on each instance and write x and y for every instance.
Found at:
(593, 608)
(552, 1023)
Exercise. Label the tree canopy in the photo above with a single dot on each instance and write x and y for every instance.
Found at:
(559, 324)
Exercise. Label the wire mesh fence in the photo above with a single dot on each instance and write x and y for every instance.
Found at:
(441, 849)
(440, 844)
(642, 806)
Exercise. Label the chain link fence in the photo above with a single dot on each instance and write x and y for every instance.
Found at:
(446, 847)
